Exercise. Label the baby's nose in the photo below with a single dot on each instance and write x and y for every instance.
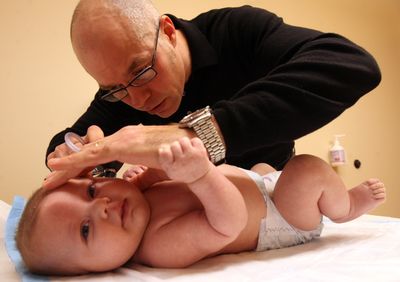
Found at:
(100, 206)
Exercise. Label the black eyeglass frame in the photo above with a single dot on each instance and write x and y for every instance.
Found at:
(109, 96)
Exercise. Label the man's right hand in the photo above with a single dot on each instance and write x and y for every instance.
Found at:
(93, 134)
(135, 144)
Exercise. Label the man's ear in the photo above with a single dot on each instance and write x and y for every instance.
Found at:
(168, 28)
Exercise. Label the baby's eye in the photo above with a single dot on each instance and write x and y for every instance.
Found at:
(91, 191)
(85, 230)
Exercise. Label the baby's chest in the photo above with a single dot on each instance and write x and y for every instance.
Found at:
(171, 201)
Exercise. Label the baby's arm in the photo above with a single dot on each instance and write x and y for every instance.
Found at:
(201, 232)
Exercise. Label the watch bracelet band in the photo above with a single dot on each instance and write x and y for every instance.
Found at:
(208, 134)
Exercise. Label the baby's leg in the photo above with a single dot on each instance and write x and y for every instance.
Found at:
(309, 188)
(364, 198)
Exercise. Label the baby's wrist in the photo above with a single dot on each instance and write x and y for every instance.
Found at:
(203, 176)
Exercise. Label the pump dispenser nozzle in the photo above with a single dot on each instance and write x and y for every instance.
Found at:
(336, 153)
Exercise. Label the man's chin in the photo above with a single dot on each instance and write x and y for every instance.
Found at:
(166, 112)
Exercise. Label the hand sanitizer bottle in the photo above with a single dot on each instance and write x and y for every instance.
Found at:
(337, 154)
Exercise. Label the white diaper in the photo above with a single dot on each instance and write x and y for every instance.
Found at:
(275, 232)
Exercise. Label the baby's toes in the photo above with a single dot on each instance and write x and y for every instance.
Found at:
(378, 190)
(372, 181)
(377, 186)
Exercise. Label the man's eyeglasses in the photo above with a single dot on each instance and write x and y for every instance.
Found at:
(143, 77)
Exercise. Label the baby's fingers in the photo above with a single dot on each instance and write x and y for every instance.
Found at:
(165, 156)
(176, 149)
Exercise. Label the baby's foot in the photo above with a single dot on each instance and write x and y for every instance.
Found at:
(365, 197)
(372, 191)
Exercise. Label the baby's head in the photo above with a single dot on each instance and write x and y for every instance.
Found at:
(85, 225)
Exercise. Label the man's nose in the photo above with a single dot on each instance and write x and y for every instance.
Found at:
(138, 96)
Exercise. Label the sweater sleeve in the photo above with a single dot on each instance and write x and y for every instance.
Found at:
(298, 80)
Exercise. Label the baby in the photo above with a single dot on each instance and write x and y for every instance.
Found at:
(188, 211)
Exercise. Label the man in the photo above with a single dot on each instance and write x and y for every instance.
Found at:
(267, 83)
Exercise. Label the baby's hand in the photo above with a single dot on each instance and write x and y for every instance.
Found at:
(185, 160)
(132, 173)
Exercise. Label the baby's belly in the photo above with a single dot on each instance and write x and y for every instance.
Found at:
(170, 200)
(256, 209)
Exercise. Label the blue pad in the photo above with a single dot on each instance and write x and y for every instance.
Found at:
(11, 246)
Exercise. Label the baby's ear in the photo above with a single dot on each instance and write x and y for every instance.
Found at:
(138, 184)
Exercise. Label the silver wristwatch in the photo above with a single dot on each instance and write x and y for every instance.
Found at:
(203, 126)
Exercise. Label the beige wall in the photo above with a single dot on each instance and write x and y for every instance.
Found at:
(44, 89)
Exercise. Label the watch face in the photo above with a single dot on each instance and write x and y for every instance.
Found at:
(195, 116)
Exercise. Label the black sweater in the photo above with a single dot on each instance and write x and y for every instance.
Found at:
(267, 82)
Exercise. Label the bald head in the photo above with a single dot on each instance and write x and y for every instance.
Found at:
(106, 34)
(140, 15)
